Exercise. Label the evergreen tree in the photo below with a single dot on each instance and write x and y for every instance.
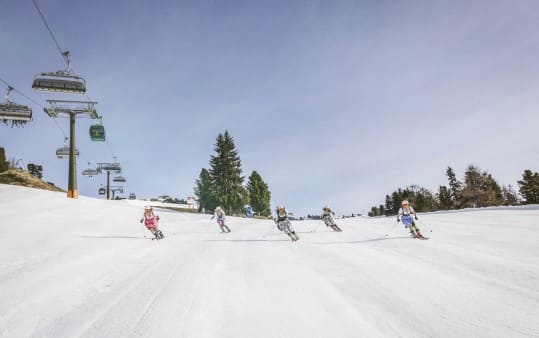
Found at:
(445, 201)
(259, 194)
(455, 188)
(225, 171)
(374, 212)
(389, 206)
(529, 187)
(204, 191)
(480, 189)
(471, 192)
(397, 197)
(3, 161)
(492, 190)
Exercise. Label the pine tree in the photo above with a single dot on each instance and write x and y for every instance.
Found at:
(455, 188)
(389, 206)
(492, 190)
(445, 201)
(259, 194)
(480, 189)
(529, 187)
(225, 171)
(472, 187)
(374, 212)
(204, 191)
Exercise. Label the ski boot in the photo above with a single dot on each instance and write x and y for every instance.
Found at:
(420, 236)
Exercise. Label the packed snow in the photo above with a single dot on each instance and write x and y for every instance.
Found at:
(88, 268)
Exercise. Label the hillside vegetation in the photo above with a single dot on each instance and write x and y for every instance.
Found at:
(20, 177)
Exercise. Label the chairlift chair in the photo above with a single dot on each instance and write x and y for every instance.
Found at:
(17, 114)
(89, 172)
(60, 81)
(111, 167)
(120, 179)
(63, 151)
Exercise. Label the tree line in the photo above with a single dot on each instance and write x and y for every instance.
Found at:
(222, 184)
(478, 189)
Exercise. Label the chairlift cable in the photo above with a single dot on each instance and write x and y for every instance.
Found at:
(49, 29)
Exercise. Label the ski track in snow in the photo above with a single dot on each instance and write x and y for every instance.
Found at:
(87, 268)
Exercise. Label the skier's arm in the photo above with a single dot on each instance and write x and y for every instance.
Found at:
(399, 214)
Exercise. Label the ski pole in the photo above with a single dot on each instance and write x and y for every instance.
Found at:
(423, 225)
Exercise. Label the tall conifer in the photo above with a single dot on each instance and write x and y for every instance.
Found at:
(225, 171)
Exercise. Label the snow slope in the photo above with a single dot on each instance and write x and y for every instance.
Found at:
(83, 268)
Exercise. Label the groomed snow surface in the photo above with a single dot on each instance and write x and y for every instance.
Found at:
(87, 268)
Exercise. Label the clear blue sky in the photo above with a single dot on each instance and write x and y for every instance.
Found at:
(336, 102)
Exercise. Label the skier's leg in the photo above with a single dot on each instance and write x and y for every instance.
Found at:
(418, 233)
(292, 232)
(336, 227)
(154, 233)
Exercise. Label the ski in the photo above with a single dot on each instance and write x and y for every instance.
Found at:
(336, 227)
(293, 236)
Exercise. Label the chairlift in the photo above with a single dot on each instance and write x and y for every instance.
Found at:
(120, 179)
(102, 191)
(17, 114)
(63, 151)
(89, 172)
(111, 167)
(97, 132)
(60, 81)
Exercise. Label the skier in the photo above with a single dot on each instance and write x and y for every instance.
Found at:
(150, 221)
(327, 217)
(405, 214)
(220, 214)
(249, 212)
(283, 223)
